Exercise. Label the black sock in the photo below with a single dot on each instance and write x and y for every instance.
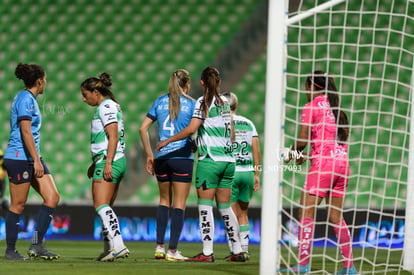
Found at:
(177, 223)
(162, 221)
(44, 218)
(12, 230)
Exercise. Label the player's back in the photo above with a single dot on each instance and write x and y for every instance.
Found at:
(242, 146)
(324, 140)
(214, 134)
(160, 111)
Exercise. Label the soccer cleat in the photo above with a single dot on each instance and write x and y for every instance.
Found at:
(106, 256)
(115, 253)
(241, 257)
(345, 270)
(14, 255)
(40, 251)
(121, 253)
(159, 252)
(174, 256)
(297, 268)
(103, 254)
(106, 250)
(201, 258)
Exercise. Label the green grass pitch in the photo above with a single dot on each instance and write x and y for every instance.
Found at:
(77, 257)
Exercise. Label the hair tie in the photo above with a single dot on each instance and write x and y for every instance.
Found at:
(98, 84)
(316, 84)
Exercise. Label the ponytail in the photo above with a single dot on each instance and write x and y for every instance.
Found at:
(211, 78)
(177, 83)
(105, 81)
(340, 116)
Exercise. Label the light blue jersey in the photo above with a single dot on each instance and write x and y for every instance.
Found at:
(160, 112)
(24, 107)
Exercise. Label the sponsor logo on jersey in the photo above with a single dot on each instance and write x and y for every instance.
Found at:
(30, 109)
(324, 104)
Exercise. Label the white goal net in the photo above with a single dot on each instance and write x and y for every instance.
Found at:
(367, 46)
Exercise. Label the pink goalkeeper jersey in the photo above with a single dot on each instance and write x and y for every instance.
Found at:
(318, 115)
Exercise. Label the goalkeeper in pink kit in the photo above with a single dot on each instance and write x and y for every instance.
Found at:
(326, 126)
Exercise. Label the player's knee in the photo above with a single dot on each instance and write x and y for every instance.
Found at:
(165, 202)
(52, 200)
(179, 206)
(17, 207)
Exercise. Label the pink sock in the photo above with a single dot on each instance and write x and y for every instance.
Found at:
(305, 240)
(344, 240)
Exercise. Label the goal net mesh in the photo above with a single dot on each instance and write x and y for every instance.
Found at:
(367, 46)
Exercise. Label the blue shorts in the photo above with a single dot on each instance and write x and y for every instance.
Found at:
(179, 170)
(20, 171)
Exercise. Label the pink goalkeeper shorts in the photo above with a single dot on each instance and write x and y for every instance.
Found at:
(327, 177)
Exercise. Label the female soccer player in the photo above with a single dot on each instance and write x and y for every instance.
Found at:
(25, 166)
(246, 150)
(108, 160)
(326, 125)
(173, 167)
(216, 163)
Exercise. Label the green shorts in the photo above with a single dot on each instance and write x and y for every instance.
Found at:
(212, 174)
(118, 170)
(243, 185)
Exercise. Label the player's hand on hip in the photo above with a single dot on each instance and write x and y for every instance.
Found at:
(161, 145)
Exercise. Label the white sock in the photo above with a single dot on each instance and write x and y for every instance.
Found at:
(232, 229)
(244, 240)
(107, 243)
(206, 217)
(230, 244)
(110, 222)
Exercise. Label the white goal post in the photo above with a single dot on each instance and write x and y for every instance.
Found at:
(409, 208)
(366, 46)
(270, 224)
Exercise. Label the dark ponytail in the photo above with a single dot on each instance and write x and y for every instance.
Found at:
(211, 78)
(321, 81)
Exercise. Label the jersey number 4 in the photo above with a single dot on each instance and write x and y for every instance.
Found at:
(170, 128)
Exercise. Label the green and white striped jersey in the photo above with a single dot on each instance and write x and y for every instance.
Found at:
(214, 134)
(107, 112)
(242, 146)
